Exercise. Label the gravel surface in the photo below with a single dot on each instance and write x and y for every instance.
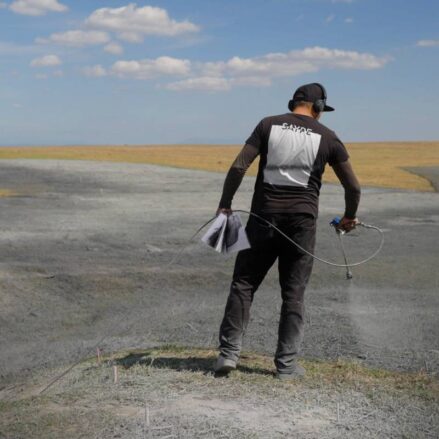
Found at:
(85, 251)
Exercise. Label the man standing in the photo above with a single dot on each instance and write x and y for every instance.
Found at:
(294, 149)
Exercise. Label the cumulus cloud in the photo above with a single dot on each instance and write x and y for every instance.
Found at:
(77, 38)
(329, 18)
(427, 43)
(349, 20)
(206, 83)
(296, 62)
(257, 71)
(151, 68)
(214, 83)
(132, 23)
(96, 71)
(46, 61)
(114, 48)
(37, 7)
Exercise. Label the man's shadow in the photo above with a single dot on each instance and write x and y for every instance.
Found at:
(190, 363)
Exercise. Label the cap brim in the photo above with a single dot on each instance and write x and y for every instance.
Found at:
(328, 108)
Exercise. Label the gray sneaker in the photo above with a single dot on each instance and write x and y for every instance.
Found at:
(224, 365)
(297, 373)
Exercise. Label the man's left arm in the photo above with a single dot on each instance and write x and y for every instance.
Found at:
(352, 188)
(235, 175)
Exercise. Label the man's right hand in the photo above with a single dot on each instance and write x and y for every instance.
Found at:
(348, 224)
(224, 211)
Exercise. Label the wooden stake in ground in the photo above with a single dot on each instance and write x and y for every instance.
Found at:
(98, 352)
(115, 375)
(146, 423)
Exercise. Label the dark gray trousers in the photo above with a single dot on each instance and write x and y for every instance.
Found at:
(252, 265)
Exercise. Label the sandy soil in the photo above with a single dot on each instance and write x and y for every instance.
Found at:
(85, 249)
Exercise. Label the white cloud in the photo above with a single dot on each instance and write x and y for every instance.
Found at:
(58, 73)
(46, 61)
(205, 83)
(349, 20)
(150, 68)
(76, 38)
(427, 43)
(96, 71)
(257, 71)
(37, 7)
(132, 23)
(114, 48)
(293, 63)
(329, 18)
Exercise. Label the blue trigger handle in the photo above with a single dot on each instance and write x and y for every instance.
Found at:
(335, 221)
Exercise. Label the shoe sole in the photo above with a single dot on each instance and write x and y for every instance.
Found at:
(225, 369)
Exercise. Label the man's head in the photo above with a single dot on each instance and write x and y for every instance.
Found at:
(310, 99)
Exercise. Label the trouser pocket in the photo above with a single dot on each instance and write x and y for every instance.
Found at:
(258, 231)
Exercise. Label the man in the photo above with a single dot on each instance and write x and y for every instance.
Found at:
(294, 149)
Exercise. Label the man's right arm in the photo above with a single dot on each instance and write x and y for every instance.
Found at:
(235, 175)
(349, 181)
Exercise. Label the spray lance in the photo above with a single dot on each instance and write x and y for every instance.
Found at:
(334, 223)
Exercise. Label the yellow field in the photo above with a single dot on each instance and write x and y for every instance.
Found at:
(6, 193)
(376, 164)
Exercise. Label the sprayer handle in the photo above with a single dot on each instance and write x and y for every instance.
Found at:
(335, 221)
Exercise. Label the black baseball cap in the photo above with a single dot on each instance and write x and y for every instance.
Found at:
(311, 93)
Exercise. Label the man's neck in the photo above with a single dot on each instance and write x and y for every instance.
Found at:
(303, 111)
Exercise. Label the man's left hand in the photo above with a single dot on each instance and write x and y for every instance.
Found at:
(224, 211)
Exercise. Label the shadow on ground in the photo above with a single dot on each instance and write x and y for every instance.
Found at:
(192, 364)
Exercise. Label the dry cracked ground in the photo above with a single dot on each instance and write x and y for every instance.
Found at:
(85, 261)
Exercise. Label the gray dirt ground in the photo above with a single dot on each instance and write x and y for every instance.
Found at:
(85, 251)
(431, 173)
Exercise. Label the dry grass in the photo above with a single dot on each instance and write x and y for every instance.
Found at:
(7, 193)
(377, 164)
(332, 374)
(170, 392)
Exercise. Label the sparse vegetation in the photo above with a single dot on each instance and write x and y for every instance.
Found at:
(387, 172)
(171, 392)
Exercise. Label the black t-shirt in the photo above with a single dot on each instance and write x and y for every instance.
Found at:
(294, 150)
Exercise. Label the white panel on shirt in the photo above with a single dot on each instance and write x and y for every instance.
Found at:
(292, 151)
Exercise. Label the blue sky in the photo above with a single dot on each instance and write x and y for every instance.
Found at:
(194, 71)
